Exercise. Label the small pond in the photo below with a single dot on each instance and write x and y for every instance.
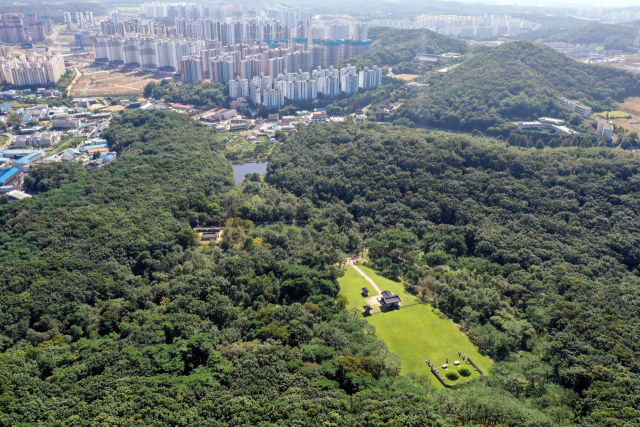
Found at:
(241, 169)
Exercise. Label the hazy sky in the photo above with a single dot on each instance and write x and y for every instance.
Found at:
(563, 4)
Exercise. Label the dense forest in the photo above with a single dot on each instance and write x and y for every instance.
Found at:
(111, 313)
(619, 36)
(534, 252)
(392, 46)
(200, 94)
(516, 81)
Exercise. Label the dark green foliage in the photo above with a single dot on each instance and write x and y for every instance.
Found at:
(200, 94)
(611, 37)
(533, 252)
(109, 315)
(393, 46)
(464, 371)
(516, 81)
(452, 375)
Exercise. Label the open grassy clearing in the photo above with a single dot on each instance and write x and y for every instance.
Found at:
(390, 285)
(614, 114)
(416, 334)
(350, 285)
(631, 106)
(67, 143)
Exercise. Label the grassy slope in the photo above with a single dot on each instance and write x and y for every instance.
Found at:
(416, 334)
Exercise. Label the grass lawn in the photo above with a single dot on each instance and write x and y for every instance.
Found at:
(66, 143)
(351, 284)
(614, 114)
(416, 334)
(389, 285)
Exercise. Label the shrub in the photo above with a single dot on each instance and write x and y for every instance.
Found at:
(452, 375)
(464, 371)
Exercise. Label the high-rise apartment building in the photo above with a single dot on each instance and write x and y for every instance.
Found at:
(67, 20)
(191, 69)
(349, 79)
(238, 88)
(369, 79)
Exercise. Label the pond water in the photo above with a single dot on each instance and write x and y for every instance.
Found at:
(240, 170)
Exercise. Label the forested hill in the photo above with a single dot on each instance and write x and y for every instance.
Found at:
(111, 315)
(515, 81)
(393, 46)
(618, 36)
(534, 252)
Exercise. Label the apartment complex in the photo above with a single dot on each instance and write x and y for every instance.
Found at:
(21, 28)
(220, 62)
(32, 70)
(303, 86)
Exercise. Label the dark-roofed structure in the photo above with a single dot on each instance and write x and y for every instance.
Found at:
(367, 310)
(365, 292)
(389, 300)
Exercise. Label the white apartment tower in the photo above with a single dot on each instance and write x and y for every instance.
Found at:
(238, 88)
(370, 79)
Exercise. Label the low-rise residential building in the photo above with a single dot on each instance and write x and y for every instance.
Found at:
(66, 123)
(576, 106)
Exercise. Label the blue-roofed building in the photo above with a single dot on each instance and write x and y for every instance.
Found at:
(9, 175)
(86, 148)
(4, 161)
(108, 157)
(15, 154)
(30, 158)
(5, 108)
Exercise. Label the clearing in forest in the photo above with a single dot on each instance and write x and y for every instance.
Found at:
(414, 332)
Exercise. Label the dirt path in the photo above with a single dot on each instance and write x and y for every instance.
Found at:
(367, 278)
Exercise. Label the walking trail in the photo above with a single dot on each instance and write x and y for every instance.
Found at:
(367, 278)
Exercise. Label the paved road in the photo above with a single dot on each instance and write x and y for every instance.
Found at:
(367, 278)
